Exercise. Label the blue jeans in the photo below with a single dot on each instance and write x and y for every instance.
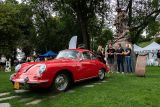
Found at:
(120, 63)
(129, 63)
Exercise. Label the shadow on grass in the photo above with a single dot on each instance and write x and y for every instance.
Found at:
(44, 92)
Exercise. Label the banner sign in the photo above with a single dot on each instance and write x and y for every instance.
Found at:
(73, 42)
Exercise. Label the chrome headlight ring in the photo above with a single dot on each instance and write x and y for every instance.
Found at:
(42, 68)
(18, 67)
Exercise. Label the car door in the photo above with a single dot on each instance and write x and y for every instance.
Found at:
(88, 65)
(94, 70)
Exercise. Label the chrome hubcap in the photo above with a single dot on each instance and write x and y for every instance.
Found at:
(101, 74)
(61, 82)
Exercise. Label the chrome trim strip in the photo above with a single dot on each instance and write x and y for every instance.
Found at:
(30, 81)
(85, 78)
(36, 82)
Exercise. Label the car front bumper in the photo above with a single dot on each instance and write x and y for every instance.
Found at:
(30, 84)
(26, 80)
(29, 81)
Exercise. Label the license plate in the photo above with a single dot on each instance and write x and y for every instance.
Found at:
(16, 85)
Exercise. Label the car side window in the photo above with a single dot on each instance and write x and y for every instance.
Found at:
(86, 56)
(93, 56)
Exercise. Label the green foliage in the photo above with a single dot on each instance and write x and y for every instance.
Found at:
(58, 35)
(106, 36)
(16, 27)
(153, 28)
(157, 39)
(142, 15)
(32, 24)
(155, 4)
(85, 14)
(9, 30)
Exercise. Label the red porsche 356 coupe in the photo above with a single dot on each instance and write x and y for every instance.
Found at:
(71, 65)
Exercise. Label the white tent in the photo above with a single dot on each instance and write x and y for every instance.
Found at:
(152, 53)
(152, 47)
(137, 48)
(151, 50)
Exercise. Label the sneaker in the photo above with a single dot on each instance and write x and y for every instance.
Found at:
(122, 72)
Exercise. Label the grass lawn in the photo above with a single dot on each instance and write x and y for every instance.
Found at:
(119, 91)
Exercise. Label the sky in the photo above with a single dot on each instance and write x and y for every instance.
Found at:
(19, 1)
(16, 0)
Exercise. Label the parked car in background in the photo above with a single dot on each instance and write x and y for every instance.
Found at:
(70, 66)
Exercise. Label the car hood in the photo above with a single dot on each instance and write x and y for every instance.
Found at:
(54, 61)
(59, 61)
(28, 68)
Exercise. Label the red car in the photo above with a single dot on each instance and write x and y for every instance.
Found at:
(71, 65)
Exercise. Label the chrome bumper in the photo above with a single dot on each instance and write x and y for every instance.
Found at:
(23, 81)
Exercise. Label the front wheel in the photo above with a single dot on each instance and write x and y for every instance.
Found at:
(101, 74)
(61, 82)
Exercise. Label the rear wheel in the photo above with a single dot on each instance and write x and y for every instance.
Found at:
(101, 74)
(61, 82)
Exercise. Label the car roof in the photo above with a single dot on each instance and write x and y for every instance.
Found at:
(80, 50)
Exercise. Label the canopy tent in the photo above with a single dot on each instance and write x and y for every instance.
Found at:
(151, 50)
(152, 47)
(152, 53)
(49, 54)
(137, 48)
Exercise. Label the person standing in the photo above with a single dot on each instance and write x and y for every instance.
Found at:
(110, 53)
(120, 58)
(3, 61)
(128, 59)
(158, 57)
(100, 53)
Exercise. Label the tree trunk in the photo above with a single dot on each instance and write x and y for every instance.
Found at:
(130, 13)
(117, 3)
(85, 35)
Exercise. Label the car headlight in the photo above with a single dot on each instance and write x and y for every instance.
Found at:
(17, 68)
(42, 68)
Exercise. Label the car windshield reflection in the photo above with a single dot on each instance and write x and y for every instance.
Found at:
(68, 54)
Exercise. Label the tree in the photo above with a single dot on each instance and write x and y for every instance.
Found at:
(141, 13)
(15, 26)
(9, 30)
(53, 32)
(105, 37)
(84, 12)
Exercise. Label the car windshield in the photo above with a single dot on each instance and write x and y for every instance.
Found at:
(71, 54)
